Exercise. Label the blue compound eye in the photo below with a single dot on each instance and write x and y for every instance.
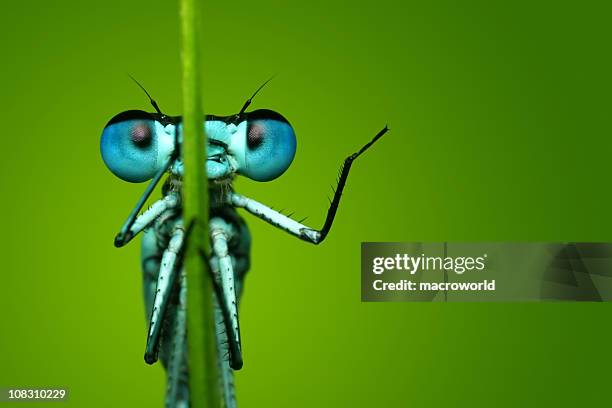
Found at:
(129, 146)
(270, 145)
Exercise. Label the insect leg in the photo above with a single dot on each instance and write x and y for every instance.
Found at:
(294, 227)
(226, 375)
(124, 234)
(221, 232)
(150, 260)
(172, 200)
(165, 283)
(177, 394)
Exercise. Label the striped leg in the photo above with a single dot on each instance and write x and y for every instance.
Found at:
(165, 283)
(221, 232)
(169, 202)
(177, 395)
(150, 259)
(226, 375)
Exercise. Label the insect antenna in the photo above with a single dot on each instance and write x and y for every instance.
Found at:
(153, 103)
(248, 102)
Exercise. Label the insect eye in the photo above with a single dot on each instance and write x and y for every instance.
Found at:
(255, 135)
(270, 145)
(141, 134)
(129, 146)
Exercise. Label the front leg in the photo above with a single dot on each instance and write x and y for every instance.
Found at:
(177, 394)
(130, 230)
(221, 232)
(165, 283)
(277, 219)
(294, 227)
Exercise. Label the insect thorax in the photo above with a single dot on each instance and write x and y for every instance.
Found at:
(217, 192)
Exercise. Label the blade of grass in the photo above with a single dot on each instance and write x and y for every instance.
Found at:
(203, 379)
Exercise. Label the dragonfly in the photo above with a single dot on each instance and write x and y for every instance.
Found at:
(139, 146)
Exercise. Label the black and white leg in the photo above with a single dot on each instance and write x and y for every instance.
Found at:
(226, 375)
(130, 230)
(150, 259)
(177, 395)
(221, 233)
(165, 282)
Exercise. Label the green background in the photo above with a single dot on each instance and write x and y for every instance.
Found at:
(500, 118)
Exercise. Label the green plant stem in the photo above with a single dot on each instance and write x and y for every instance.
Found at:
(203, 378)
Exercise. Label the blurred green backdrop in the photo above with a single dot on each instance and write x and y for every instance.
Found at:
(500, 118)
